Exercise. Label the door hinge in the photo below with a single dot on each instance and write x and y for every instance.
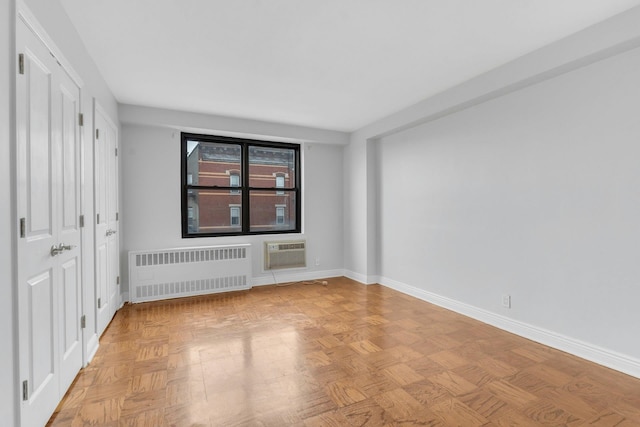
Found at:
(97, 133)
(99, 302)
(21, 63)
(117, 216)
(23, 227)
(25, 390)
(118, 280)
(97, 218)
(81, 221)
(116, 152)
(83, 321)
(81, 119)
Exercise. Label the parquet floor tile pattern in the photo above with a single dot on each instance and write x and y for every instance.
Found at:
(344, 354)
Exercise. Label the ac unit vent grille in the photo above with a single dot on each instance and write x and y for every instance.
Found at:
(290, 246)
(278, 255)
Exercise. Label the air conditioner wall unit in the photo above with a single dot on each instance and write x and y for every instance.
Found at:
(285, 254)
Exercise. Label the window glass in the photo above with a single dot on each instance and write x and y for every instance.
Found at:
(210, 210)
(263, 204)
(265, 163)
(209, 163)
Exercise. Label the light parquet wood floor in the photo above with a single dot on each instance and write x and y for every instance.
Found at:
(338, 355)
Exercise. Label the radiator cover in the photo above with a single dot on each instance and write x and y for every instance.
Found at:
(181, 272)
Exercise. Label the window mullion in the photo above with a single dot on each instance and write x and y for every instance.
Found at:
(246, 215)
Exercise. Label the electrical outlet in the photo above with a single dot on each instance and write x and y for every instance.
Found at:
(506, 301)
(317, 261)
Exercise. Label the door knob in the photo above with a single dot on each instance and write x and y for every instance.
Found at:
(110, 232)
(57, 250)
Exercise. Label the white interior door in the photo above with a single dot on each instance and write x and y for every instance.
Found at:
(48, 206)
(67, 96)
(106, 207)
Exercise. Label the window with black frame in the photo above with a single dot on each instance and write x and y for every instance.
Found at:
(233, 186)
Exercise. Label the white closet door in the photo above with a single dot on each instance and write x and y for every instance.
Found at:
(113, 245)
(48, 196)
(106, 205)
(70, 299)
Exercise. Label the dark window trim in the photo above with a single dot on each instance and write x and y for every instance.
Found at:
(244, 183)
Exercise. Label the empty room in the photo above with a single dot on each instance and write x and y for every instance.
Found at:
(320, 213)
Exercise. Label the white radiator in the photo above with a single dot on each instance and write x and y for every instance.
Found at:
(180, 272)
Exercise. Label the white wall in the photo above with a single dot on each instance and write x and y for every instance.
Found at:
(8, 388)
(600, 41)
(151, 173)
(534, 194)
(521, 181)
(360, 200)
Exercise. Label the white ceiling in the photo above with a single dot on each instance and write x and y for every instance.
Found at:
(332, 64)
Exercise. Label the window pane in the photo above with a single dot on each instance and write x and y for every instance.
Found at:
(272, 211)
(266, 164)
(212, 164)
(214, 211)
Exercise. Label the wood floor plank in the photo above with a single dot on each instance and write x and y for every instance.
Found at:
(343, 393)
(454, 412)
(453, 382)
(335, 355)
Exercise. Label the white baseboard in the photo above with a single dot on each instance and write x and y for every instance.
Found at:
(362, 278)
(286, 276)
(593, 353)
(124, 297)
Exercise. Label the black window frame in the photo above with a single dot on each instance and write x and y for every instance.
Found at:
(245, 189)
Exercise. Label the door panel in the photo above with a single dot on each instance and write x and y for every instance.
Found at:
(113, 291)
(37, 269)
(48, 203)
(106, 203)
(70, 156)
(102, 271)
(70, 332)
(37, 173)
(69, 338)
(65, 118)
(102, 280)
(41, 330)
